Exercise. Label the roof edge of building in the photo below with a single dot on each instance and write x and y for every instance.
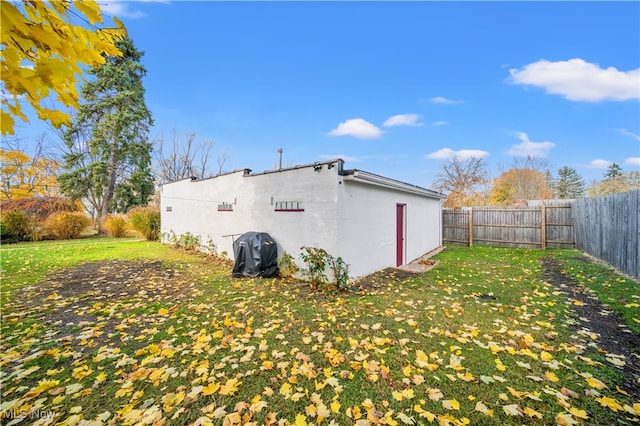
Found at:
(355, 175)
(374, 179)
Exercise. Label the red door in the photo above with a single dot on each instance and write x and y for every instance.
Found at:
(400, 237)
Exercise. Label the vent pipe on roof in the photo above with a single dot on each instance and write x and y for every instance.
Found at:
(279, 158)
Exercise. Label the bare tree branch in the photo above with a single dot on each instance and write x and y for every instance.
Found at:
(222, 159)
(462, 178)
(185, 157)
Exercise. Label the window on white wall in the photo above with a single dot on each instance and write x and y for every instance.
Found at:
(169, 208)
(289, 206)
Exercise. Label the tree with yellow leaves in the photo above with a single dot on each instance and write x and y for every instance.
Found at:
(42, 54)
(515, 186)
(27, 176)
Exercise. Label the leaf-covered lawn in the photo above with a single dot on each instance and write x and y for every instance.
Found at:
(150, 335)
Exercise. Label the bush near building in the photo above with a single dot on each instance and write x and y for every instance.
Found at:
(146, 220)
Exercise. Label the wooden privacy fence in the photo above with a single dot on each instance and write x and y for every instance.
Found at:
(540, 224)
(608, 228)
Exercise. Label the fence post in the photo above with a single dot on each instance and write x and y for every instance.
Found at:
(543, 226)
(470, 227)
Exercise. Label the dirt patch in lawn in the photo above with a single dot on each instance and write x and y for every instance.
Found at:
(94, 300)
(382, 279)
(613, 337)
(115, 279)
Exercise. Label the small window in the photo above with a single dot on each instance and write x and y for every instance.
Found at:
(289, 206)
(225, 207)
(169, 208)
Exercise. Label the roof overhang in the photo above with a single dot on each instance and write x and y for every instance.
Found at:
(384, 182)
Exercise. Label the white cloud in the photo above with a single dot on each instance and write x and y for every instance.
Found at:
(599, 164)
(346, 158)
(443, 100)
(578, 80)
(625, 132)
(529, 148)
(446, 153)
(440, 123)
(633, 161)
(412, 120)
(358, 128)
(121, 9)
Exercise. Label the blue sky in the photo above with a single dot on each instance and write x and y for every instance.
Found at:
(396, 88)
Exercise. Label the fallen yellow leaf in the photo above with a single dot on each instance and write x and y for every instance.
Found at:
(286, 390)
(551, 376)
(230, 387)
(610, 403)
(595, 383)
(512, 410)
(566, 419)
(480, 407)
(210, 389)
(581, 414)
(451, 404)
(532, 413)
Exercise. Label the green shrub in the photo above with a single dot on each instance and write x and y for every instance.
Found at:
(21, 226)
(146, 220)
(340, 273)
(5, 236)
(116, 225)
(317, 260)
(210, 247)
(67, 225)
(186, 241)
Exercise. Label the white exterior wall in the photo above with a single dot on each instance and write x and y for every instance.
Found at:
(367, 226)
(194, 208)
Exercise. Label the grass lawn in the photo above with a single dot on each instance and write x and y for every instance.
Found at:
(153, 335)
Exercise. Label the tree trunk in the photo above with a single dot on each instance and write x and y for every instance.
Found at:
(108, 196)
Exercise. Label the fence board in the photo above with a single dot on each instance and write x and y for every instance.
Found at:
(523, 227)
(455, 227)
(608, 228)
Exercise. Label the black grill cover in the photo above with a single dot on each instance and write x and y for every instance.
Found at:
(256, 255)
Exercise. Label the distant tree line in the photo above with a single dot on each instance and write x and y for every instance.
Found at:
(466, 182)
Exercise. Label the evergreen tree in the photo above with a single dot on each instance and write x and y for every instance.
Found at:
(613, 171)
(569, 183)
(626, 181)
(551, 182)
(109, 158)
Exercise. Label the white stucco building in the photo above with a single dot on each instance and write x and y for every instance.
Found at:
(371, 221)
